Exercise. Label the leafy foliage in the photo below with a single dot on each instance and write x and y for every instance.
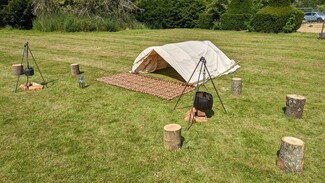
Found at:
(234, 21)
(212, 13)
(238, 13)
(72, 23)
(294, 21)
(17, 13)
(277, 17)
(279, 3)
(170, 13)
(83, 15)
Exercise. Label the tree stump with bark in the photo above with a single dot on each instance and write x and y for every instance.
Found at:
(75, 69)
(172, 136)
(17, 69)
(291, 155)
(236, 86)
(294, 106)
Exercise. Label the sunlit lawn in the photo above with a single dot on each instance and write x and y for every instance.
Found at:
(108, 134)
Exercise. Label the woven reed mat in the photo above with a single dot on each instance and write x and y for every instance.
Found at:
(157, 87)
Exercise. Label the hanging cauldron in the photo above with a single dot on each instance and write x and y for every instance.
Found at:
(203, 101)
(29, 71)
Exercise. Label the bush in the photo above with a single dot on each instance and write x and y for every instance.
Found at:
(234, 21)
(211, 17)
(70, 23)
(205, 21)
(238, 13)
(170, 13)
(294, 21)
(279, 3)
(17, 13)
(277, 19)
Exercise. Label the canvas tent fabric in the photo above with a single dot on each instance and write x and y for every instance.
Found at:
(184, 57)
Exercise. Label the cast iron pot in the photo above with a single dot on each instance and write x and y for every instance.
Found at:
(203, 101)
(29, 71)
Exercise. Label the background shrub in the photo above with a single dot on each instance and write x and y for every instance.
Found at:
(237, 15)
(71, 23)
(17, 13)
(277, 17)
(234, 21)
(170, 13)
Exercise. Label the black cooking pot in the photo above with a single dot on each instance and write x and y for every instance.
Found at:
(29, 71)
(203, 101)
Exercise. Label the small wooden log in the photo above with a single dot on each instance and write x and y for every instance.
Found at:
(17, 69)
(294, 106)
(236, 86)
(200, 113)
(31, 86)
(190, 114)
(172, 136)
(195, 116)
(75, 69)
(291, 155)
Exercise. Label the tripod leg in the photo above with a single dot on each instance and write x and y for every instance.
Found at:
(44, 82)
(196, 90)
(187, 84)
(17, 83)
(21, 62)
(215, 89)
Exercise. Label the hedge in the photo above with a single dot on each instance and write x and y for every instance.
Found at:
(234, 21)
(274, 19)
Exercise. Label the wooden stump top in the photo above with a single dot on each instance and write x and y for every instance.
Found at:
(298, 97)
(74, 64)
(172, 127)
(236, 79)
(293, 141)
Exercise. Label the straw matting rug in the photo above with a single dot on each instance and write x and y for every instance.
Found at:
(157, 87)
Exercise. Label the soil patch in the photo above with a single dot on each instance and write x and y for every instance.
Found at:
(311, 27)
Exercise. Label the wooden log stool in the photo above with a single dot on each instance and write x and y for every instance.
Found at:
(236, 86)
(17, 69)
(75, 69)
(291, 155)
(172, 136)
(294, 106)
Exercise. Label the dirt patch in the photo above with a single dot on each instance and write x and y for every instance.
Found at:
(157, 87)
(311, 27)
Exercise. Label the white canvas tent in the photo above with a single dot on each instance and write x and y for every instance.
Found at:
(184, 57)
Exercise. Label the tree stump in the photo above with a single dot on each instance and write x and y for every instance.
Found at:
(236, 86)
(75, 69)
(17, 69)
(172, 136)
(291, 155)
(294, 106)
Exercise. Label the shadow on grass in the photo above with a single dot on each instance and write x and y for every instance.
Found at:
(284, 109)
(48, 82)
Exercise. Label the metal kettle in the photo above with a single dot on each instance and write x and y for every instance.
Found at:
(29, 71)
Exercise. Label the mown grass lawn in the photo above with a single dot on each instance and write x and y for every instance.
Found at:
(107, 134)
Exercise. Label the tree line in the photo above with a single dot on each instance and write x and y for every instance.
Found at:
(113, 15)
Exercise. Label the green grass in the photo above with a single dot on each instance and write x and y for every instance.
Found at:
(107, 134)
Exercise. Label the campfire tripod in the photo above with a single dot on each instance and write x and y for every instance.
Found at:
(29, 71)
(205, 70)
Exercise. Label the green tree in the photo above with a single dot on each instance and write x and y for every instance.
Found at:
(212, 13)
(170, 13)
(17, 13)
